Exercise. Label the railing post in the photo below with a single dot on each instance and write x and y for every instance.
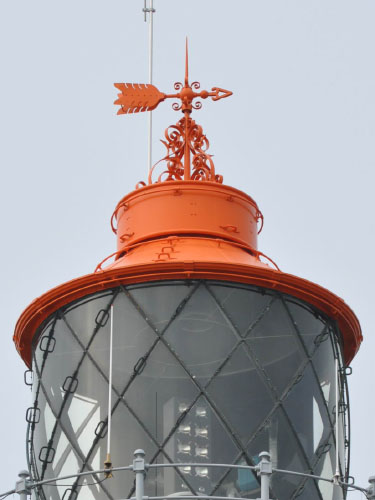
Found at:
(140, 471)
(265, 471)
(371, 489)
(22, 485)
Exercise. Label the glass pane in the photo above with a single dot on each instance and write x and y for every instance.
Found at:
(128, 436)
(65, 460)
(42, 432)
(237, 482)
(244, 306)
(154, 392)
(160, 301)
(70, 466)
(66, 355)
(170, 480)
(277, 437)
(245, 407)
(40, 355)
(83, 317)
(307, 490)
(326, 467)
(326, 488)
(63, 448)
(306, 410)
(318, 425)
(324, 364)
(132, 339)
(275, 343)
(86, 408)
(201, 335)
(84, 416)
(309, 325)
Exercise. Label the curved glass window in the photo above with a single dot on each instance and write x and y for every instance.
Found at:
(204, 372)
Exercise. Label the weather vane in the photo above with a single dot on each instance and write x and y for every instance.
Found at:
(186, 144)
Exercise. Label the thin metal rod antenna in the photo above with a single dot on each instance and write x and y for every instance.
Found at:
(337, 473)
(110, 384)
(150, 10)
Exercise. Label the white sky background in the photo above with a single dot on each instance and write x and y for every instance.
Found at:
(297, 135)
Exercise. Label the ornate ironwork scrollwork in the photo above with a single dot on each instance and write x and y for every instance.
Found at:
(186, 135)
(186, 144)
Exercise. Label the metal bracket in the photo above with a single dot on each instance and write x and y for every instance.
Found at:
(70, 494)
(101, 429)
(47, 344)
(33, 415)
(147, 10)
(70, 384)
(28, 377)
(102, 318)
(47, 454)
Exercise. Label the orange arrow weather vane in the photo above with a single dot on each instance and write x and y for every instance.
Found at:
(140, 97)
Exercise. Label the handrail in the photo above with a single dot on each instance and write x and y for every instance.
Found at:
(264, 469)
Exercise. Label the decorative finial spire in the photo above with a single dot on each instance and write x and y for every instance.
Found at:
(186, 64)
(185, 142)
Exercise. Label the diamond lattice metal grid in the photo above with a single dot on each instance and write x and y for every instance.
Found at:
(259, 362)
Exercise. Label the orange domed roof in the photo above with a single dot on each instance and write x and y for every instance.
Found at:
(174, 231)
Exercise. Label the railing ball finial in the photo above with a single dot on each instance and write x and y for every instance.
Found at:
(371, 488)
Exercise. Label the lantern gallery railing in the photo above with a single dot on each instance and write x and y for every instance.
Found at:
(264, 470)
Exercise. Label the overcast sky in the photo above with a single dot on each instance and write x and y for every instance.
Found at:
(297, 135)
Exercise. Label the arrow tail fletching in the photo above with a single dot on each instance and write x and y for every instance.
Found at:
(137, 97)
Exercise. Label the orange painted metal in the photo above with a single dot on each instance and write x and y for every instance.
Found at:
(186, 140)
(178, 228)
(218, 244)
(186, 158)
(187, 207)
(137, 97)
(189, 259)
(140, 97)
